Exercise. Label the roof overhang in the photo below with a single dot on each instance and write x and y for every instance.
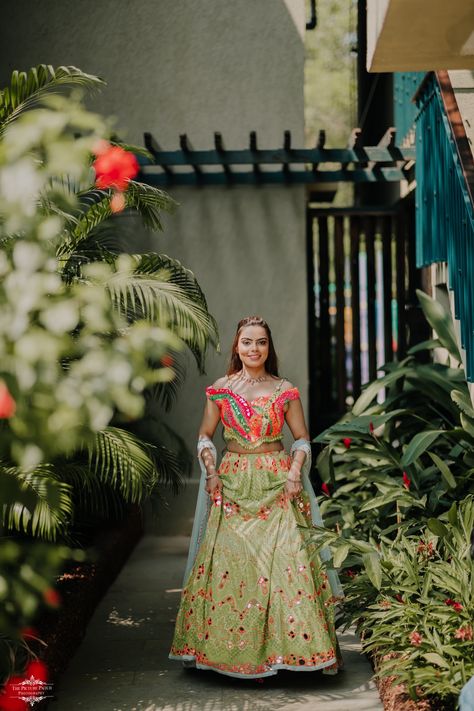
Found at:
(419, 35)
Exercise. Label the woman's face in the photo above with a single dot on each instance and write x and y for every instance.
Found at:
(253, 345)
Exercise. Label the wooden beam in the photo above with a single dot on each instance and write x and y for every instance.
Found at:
(154, 148)
(354, 144)
(319, 147)
(253, 155)
(257, 176)
(287, 150)
(254, 152)
(188, 151)
(219, 145)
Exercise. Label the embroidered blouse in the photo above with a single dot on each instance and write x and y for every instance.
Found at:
(255, 422)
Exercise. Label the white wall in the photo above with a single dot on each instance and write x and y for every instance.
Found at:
(182, 66)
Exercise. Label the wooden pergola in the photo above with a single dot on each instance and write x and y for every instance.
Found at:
(219, 166)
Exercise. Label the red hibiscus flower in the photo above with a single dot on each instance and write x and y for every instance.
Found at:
(347, 442)
(114, 167)
(406, 480)
(9, 700)
(29, 632)
(7, 403)
(325, 489)
(416, 639)
(38, 669)
(52, 597)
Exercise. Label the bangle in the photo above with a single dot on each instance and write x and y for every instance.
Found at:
(298, 481)
(211, 476)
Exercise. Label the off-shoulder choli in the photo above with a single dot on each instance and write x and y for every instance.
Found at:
(252, 422)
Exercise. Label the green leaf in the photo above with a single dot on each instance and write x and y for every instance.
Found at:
(341, 554)
(467, 424)
(123, 460)
(453, 514)
(440, 321)
(463, 401)
(437, 659)
(437, 527)
(380, 501)
(444, 469)
(368, 394)
(373, 568)
(325, 466)
(424, 345)
(28, 88)
(358, 425)
(418, 445)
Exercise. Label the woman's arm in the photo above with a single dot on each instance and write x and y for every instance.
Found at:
(207, 428)
(295, 420)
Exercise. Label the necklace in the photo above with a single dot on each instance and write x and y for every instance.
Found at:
(252, 381)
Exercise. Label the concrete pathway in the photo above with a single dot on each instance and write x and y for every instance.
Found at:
(122, 663)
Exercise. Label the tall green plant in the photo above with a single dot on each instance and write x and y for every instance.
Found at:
(412, 600)
(404, 459)
(138, 289)
(400, 518)
(87, 334)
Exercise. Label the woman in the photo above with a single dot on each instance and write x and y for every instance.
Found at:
(256, 598)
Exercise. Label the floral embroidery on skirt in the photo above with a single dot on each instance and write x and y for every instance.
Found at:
(257, 599)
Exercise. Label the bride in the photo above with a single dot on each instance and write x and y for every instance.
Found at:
(256, 597)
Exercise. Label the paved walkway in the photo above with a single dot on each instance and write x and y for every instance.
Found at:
(122, 663)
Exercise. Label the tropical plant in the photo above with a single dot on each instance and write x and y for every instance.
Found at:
(412, 600)
(114, 465)
(399, 516)
(398, 462)
(88, 334)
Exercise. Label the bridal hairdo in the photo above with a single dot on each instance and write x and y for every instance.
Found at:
(235, 364)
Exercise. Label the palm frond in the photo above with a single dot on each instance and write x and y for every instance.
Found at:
(137, 150)
(165, 393)
(34, 502)
(173, 460)
(206, 331)
(27, 88)
(170, 467)
(89, 492)
(167, 304)
(149, 202)
(124, 461)
(95, 209)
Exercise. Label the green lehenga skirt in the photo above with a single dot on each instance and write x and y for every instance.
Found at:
(257, 599)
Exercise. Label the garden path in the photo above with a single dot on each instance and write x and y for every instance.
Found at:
(122, 663)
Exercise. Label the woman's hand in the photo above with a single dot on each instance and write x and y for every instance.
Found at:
(293, 488)
(213, 484)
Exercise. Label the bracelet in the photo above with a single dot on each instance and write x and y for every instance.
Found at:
(211, 476)
(298, 481)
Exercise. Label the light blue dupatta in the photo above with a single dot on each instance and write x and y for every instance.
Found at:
(203, 506)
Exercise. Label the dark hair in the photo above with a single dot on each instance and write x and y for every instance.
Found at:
(235, 364)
